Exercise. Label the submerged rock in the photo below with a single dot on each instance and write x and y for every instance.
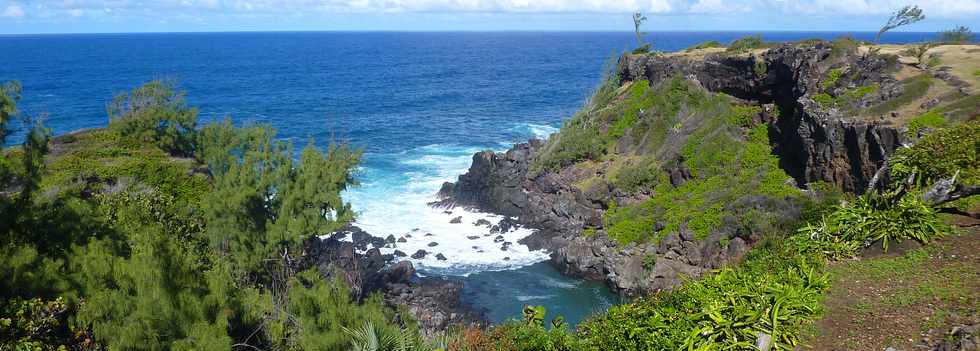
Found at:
(456, 220)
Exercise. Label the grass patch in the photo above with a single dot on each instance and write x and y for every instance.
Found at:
(931, 120)
(915, 88)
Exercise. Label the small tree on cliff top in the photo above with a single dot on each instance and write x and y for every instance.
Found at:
(904, 16)
(638, 19)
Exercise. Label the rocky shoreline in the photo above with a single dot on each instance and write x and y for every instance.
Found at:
(814, 143)
(433, 302)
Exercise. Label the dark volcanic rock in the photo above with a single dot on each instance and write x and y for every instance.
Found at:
(399, 253)
(482, 222)
(420, 254)
(434, 303)
(433, 244)
(456, 220)
(440, 256)
(402, 240)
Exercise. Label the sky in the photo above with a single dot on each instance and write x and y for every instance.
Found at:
(115, 16)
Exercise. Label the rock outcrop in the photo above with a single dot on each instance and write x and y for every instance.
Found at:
(433, 302)
(813, 143)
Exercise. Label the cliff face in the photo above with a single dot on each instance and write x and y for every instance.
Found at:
(813, 143)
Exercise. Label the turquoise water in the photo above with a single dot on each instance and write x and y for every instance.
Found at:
(419, 104)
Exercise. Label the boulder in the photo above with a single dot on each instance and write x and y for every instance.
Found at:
(456, 220)
(420, 254)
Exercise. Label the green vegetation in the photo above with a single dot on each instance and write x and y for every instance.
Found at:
(706, 45)
(930, 119)
(154, 113)
(845, 99)
(871, 219)
(941, 154)
(775, 291)
(725, 165)
(843, 46)
(746, 44)
(110, 242)
(914, 88)
(832, 77)
(958, 35)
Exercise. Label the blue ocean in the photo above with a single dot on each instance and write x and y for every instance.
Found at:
(418, 104)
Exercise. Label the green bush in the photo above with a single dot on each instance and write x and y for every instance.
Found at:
(775, 291)
(958, 35)
(155, 113)
(940, 155)
(832, 77)
(706, 45)
(747, 43)
(875, 218)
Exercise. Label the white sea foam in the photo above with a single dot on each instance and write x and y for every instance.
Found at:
(394, 201)
(539, 131)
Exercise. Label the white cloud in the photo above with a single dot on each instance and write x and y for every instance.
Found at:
(13, 11)
(934, 9)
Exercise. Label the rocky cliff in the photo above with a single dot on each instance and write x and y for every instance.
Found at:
(838, 142)
(433, 302)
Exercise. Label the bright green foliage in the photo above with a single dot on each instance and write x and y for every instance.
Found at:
(746, 44)
(824, 99)
(127, 243)
(154, 113)
(774, 291)
(940, 155)
(326, 314)
(847, 97)
(726, 166)
(264, 204)
(874, 218)
(931, 120)
(147, 289)
(100, 156)
(832, 77)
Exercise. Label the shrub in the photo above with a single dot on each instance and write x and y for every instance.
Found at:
(155, 113)
(958, 35)
(775, 291)
(875, 218)
(706, 45)
(843, 46)
(746, 44)
(940, 155)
